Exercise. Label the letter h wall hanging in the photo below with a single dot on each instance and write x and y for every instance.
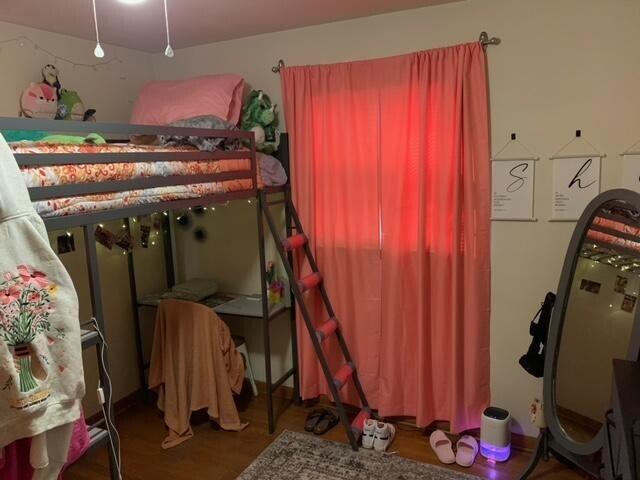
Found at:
(576, 181)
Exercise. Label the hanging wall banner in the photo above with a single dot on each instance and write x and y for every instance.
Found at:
(576, 181)
(631, 171)
(513, 184)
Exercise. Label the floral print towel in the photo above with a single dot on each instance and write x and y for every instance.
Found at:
(41, 373)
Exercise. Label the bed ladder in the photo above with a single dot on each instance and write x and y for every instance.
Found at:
(330, 327)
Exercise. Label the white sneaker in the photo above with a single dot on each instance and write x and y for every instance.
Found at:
(385, 433)
(368, 433)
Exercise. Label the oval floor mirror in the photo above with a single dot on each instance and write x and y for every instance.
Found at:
(594, 322)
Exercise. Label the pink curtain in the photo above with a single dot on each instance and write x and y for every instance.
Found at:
(390, 172)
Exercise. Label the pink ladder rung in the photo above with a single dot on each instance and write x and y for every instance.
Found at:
(343, 375)
(326, 329)
(293, 242)
(310, 281)
(357, 426)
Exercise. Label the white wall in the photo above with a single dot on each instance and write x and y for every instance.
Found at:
(111, 90)
(561, 66)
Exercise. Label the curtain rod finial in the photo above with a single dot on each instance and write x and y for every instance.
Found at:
(278, 67)
(485, 40)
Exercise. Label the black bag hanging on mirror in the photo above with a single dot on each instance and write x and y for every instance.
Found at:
(533, 360)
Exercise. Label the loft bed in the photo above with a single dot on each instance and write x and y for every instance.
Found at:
(84, 186)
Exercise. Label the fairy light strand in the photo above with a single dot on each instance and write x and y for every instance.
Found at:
(22, 39)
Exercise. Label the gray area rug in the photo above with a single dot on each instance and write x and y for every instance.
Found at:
(296, 456)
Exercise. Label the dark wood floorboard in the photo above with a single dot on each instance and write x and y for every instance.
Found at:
(217, 455)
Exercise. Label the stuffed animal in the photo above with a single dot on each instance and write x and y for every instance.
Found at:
(50, 77)
(260, 116)
(39, 101)
(70, 106)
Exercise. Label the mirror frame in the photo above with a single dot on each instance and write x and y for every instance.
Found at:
(557, 322)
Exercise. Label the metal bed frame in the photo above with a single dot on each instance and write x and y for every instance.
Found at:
(89, 220)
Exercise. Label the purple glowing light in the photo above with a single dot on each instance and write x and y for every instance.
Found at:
(492, 452)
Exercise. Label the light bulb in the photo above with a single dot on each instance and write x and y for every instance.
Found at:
(168, 52)
(98, 52)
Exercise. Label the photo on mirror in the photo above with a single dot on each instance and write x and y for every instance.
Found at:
(621, 284)
(628, 303)
(589, 286)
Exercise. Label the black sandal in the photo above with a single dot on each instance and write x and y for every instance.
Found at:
(313, 418)
(326, 423)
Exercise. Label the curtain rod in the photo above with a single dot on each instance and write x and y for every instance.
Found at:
(484, 40)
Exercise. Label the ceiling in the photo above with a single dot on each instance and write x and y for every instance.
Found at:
(193, 22)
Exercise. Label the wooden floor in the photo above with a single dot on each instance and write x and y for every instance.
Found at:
(217, 455)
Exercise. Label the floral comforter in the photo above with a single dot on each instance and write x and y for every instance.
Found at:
(43, 176)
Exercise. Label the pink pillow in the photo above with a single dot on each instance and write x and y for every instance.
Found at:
(164, 102)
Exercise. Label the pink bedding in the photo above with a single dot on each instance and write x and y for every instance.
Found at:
(164, 102)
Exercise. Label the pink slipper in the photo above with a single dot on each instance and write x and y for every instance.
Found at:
(467, 450)
(442, 446)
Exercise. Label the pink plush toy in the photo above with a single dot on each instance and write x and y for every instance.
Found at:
(39, 101)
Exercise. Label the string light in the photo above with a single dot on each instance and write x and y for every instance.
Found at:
(22, 40)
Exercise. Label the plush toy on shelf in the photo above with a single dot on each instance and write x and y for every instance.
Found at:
(49, 100)
(50, 77)
(259, 115)
(39, 100)
(70, 106)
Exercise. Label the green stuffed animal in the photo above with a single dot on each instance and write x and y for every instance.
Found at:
(70, 106)
(260, 116)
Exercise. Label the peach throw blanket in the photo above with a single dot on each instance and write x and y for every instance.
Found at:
(194, 365)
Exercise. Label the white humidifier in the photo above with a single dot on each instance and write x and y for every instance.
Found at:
(495, 434)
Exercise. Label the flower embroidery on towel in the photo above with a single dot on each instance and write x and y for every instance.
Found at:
(32, 277)
(26, 302)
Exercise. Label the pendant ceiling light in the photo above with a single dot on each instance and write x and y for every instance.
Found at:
(167, 51)
(98, 52)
